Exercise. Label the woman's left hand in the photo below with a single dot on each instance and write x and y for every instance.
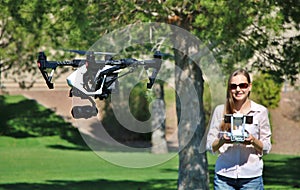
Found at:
(249, 140)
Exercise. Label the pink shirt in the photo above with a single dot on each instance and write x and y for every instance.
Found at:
(238, 160)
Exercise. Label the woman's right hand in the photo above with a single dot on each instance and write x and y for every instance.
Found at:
(225, 139)
(220, 142)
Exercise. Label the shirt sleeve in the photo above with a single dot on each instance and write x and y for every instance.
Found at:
(214, 127)
(265, 131)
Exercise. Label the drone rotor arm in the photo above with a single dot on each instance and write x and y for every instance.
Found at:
(155, 64)
(43, 65)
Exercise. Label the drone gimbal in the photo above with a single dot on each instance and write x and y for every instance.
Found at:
(237, 126)
(97, 78)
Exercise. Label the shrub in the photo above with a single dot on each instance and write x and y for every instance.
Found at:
(265, 90)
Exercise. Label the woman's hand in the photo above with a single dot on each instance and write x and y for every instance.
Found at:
(251, 140)
(225, 139)
(220, 141)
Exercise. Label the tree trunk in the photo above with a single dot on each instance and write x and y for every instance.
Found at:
(193, 165)
(158, 138)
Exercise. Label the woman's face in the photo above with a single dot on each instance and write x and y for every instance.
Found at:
(239, 87)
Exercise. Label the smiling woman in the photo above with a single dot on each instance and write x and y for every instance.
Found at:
(239, 164)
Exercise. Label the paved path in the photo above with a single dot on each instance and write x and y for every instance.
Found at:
(286, 138)
(61, 103)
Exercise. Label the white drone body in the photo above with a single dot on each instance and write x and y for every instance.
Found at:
(75, 80)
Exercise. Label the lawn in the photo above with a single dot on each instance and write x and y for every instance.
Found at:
(35, 163)
(34, 160)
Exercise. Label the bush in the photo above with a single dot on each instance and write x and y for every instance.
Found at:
(265, 90)
(139, 108)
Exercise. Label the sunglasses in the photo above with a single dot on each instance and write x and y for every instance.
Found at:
(241, 85)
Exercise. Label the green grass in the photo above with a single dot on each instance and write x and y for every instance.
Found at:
(33, 163)
(282, 171)
(55, 162)
(40, 163)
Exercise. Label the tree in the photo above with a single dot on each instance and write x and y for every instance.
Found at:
(236, 32)
(262, 35)
(192, 161)
(27, 27)
(239, 33)
(158, 138)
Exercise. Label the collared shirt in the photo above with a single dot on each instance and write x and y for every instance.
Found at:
(238, 160)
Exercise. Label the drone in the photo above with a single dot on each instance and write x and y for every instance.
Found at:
(96, 78)
(237, 125)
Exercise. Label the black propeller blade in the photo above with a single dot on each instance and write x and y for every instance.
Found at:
(82, 52)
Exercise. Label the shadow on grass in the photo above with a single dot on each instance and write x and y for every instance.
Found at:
(95, 184)
(279, 170)
(63, 147)
(211, 170)
(282, 171)
(22, 118)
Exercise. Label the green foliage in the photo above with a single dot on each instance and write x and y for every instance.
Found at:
(234, 30)
(237, 31)
(265, 90)
(138, 102)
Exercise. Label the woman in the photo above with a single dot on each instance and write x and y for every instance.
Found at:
(239, 164)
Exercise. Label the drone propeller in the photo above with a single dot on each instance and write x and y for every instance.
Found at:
(81, 52)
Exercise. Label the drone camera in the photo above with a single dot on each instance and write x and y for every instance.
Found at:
(84, 112)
